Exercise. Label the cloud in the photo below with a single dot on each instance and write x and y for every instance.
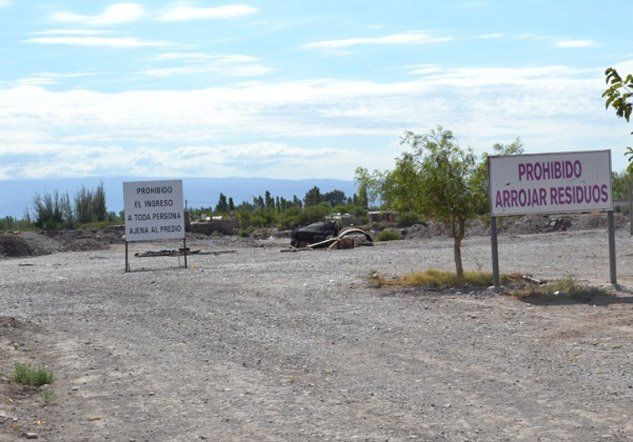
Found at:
(114, 42)
(185, 12)
(197, 62)
(418, 37)
(491, 36)
(576, 44)
(114, 14)
(4, 3)
(72, 32)
(50, 78)
(239, 71)
(212, 131)
(202, 56)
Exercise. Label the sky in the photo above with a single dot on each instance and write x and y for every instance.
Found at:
(298, 88)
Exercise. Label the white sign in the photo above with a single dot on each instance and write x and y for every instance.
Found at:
(550, 183)
(153, 210)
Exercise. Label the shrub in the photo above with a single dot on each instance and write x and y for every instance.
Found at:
(407, 219)
(388, 235)
(441, 279)
(27, 375)
(566, 289)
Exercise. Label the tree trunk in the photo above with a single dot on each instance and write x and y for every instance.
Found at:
(457, 250)
(458, 235)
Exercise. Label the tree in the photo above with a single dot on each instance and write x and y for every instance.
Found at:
(99, 209)
(435, 179)
(313, 197)
(618, 96)
(222, 206)
(231, 204)
(334, 198)
(368, 185)
(269, 201)
(480, 177)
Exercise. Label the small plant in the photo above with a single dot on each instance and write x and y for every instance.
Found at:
(49, 395)
(440, 279)
(566, 289)
(27, 375)
(388, 235)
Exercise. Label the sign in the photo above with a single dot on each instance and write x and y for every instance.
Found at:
(153, 210)
(550, 183)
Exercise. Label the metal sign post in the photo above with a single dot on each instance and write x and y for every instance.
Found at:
(612, 266)
(495, 252)
(127, 260)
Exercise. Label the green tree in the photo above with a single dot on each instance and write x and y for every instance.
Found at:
(269, 201)
(435, 178)
(618, 96)
(313, 197)
(99, 210)
(222, 206)
(231, 204)
(368, 187)
(334, 197)
(480, 177)
(620, 184)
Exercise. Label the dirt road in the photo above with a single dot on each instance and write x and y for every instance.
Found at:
(262, 345)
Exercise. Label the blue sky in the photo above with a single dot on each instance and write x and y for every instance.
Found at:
(297, 89)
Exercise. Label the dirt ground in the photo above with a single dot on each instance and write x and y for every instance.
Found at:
(263, 345)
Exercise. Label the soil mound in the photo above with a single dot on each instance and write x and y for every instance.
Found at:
(14, 246)
(85, 245)
(27, 244)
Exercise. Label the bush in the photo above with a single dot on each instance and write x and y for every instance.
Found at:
(388, 235)
(566, 289)
(441, 279)
(25, 374)
(407, 219)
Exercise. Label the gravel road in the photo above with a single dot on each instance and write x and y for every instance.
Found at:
(263, 345)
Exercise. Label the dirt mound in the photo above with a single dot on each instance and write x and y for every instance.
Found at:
(14, 246)
(424, 230)
(40, 243)
(85, 245)
(109, 235)
(27, 244)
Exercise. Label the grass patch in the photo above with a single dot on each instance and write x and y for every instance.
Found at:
(441, 279)
(35, 376)
(388, 235)
(49, 396)
(566, 289)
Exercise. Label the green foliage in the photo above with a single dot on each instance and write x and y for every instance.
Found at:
(313, 197)
(479, 179)
(618, 96)
(369, 187)
(435, 179)
(90, 206)
(620, 185)
(35, 376)
(48, 395)
(9, 223)
(440, 279)
(407, 219)
(566, 289)
(222, 206)
(388, 235)
(53, 212)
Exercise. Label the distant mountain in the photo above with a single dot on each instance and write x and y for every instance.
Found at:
(16, 195)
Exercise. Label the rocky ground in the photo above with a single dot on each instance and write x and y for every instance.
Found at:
(263, 345)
